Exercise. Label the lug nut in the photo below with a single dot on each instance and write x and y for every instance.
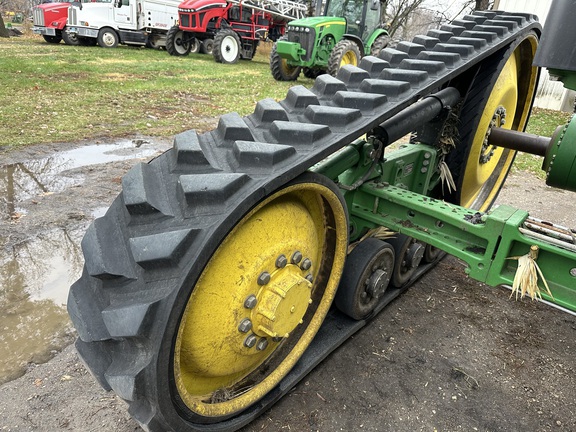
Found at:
(281, 261)
(250, 302)
(245, 325)
(262, 344)
(250, 340)
(306, 264)
(296, 257)
(310, 278)
(264, 278)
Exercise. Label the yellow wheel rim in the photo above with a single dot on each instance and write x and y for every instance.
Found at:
(260, 300)
(487, 167)
(349, 58)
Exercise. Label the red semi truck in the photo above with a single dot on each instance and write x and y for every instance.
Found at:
(50, 22)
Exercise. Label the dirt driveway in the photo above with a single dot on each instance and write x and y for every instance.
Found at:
(449, 355)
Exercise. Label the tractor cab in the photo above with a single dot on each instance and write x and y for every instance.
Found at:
(362, 16)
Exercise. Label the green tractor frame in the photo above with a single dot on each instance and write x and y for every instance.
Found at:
(346, 31)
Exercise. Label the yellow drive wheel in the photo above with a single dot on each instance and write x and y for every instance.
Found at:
(261, 299)
(500, 96)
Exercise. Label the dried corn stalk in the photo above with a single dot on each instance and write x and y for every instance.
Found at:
(526, 277)
(381, 233)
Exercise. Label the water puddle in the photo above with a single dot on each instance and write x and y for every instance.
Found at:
(34, 281)
(25, 180)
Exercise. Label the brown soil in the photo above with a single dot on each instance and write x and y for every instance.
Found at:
(450, 355)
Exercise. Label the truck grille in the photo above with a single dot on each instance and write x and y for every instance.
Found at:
(305, 39)
(38, 17)
(72, 16)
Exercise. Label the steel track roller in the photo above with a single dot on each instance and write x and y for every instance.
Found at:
(366, 276)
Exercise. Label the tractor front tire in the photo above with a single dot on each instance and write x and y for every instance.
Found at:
(207, 46)
(226, 47)
(53, 39)
(281, 70)
(346, 52)
(177, 44)
(379, 44)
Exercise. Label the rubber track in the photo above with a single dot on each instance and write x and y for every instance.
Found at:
(173, 213)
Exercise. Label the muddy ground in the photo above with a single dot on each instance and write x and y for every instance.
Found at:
(450, 355)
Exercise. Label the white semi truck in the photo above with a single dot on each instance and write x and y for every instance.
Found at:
(130, 22)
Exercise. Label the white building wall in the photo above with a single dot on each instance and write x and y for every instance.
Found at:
(550, 94)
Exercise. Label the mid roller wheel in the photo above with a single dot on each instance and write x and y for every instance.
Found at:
(367, 273)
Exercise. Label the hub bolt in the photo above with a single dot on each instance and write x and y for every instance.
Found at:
(281, 261)
(250, 340)
(296, 257)
(310, 278)
(250, 301)
(573, 272)
(306, 264)
(262, 344)
(245, 325)
(264, 278)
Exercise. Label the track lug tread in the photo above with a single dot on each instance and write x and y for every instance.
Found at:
(453, 29)
(205, 194)
(430, 66)
(232, 127)
(299, 97)
(386, 87)
(487, 14)
(129, 320)
(478, 19)
(352, 76)
(160, 250)
(510, 25)
(373, 65)
(428, 41)
(468, 25)
(361, 101)
(123, 376)
(410, 48)
(448, 58)
(477, 43)
(487, 36)
(103, 261)
(143, 192)
(331, 116)
(327, 86)
(268, 110)
(260, 155)
(298, 134)
(392, 56)
(518, 19)
(463, 50)
(414, 77)
(86, 302)
(187, 149)
(499, 30)
(441, 35)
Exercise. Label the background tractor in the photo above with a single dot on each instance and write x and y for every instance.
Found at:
(232, 265)
(346, 31)
(229, 29)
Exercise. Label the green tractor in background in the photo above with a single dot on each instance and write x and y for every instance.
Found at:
(346, 31)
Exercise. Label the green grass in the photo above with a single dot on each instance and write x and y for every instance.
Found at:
(542, 122)
(59, 93)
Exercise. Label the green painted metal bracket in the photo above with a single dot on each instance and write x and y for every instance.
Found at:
(486, 242)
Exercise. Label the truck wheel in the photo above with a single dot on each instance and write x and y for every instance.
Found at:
(346, 52)
(379, 44)
(53, 39)
(177, 42)
(226, 47)
(108, 38)
(154, 42)
(207, 46)
(501, 95)
(281, 70)
(70, 38)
